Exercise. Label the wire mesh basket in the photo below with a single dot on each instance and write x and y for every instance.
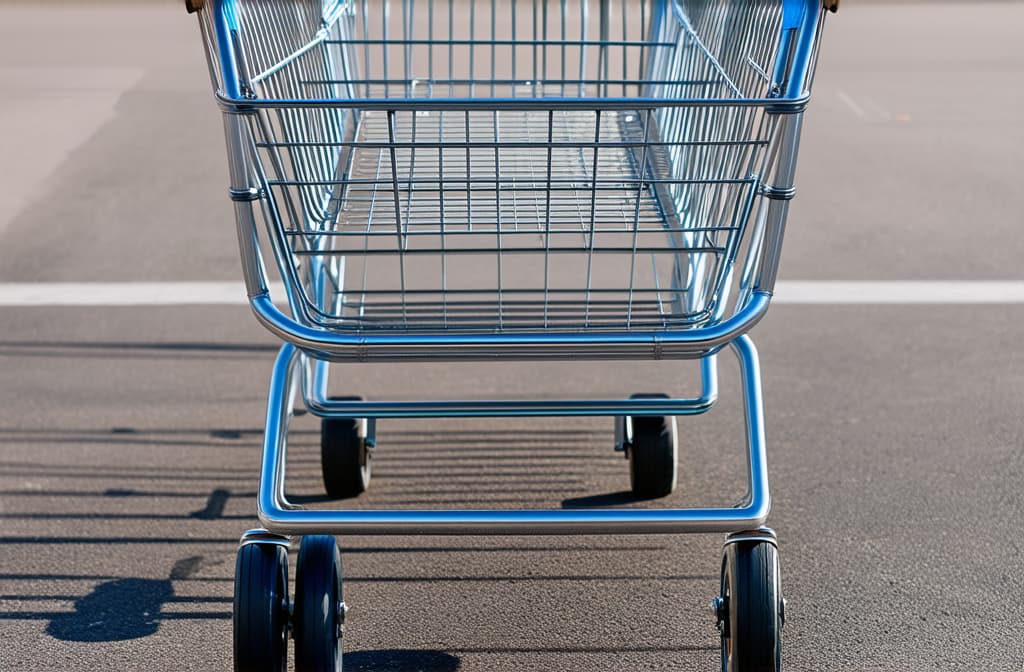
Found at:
(451, 166)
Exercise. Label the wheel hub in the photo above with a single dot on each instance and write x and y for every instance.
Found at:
(720, 610)
(342, 612)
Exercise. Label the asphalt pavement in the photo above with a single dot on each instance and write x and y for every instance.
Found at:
(131, 435)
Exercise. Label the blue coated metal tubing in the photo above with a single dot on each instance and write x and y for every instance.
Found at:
(339, 346)
(509, 409)
(277, 515)
(318, 402)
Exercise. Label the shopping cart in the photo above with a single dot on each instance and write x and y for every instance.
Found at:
(468, 180)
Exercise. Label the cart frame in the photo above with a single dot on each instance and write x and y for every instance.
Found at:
(316, 332)
(310, 347)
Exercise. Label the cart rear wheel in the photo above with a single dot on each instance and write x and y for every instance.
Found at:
(345, 457)
(750, 608)
(653, 453)
(319, 610)
(261, 608)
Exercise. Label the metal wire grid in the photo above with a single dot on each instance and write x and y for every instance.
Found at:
(568, 48)
(501, 48)
(433, 220)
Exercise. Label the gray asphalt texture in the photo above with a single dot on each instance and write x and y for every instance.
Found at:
(131, 436)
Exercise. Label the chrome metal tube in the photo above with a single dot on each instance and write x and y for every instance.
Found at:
(779, 193)
(316, 373)
(237, 138)
(277, 515)
(355, 347)
(509, 408)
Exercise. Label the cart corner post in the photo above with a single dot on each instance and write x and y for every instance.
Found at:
(779, 189)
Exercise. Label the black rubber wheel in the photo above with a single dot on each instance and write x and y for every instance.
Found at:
(345, 458)
(261, 609)
(318, 613)
(752, 608)
(653, 453)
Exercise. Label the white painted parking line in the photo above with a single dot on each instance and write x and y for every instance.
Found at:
(121, 293)
(902, 292)
(810, 292)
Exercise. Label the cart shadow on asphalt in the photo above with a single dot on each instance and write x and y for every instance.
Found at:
(605, 500)
(401, 660)
(129, 608)
(251, 437)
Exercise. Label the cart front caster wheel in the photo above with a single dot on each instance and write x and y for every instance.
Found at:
(261, 608)
(750, 608)
(345, 457)
(319, 610)
(652, 453)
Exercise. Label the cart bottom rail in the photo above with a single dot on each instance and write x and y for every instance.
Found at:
(279, 516)
(355, 346)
